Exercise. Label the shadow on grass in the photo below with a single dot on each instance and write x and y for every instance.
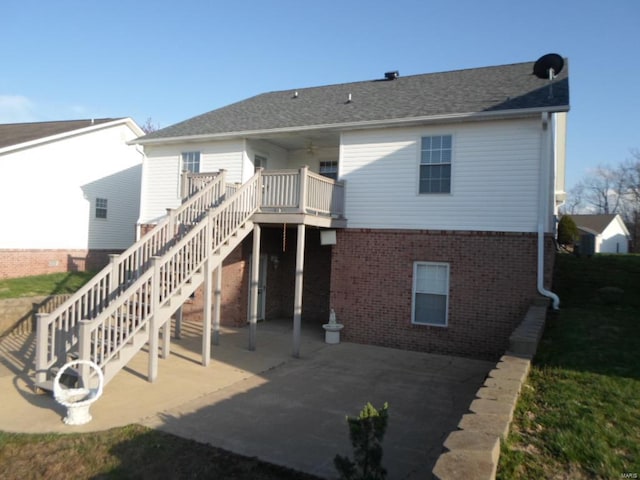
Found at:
(594, 332)
(71, 282)
(153, 454)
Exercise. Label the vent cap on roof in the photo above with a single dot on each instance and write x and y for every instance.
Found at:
(391, 75)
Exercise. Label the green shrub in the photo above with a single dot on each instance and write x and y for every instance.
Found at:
(366, 433)
(568, 231)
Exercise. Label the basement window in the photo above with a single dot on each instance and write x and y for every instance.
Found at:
(101, 208)
(430, 293)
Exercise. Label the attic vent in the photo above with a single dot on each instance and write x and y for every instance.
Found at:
(391, 75)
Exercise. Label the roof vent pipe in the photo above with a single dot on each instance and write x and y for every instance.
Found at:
(391, 75)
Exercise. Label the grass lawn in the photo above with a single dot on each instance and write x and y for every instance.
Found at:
(121, 453)
(579, 412)
(52, 284)
(127, 453)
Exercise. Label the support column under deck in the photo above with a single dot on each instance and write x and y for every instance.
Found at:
(206, 320)
(217, 299)
(253, 305)
(297, 296)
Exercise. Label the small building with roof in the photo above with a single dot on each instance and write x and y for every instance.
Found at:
(610, 234)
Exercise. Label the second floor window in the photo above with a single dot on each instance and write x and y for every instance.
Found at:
(191, 162)
(259, 161)
(101, 208)
(435, 164)
(329, 169)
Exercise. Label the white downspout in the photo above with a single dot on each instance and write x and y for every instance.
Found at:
(545, 164)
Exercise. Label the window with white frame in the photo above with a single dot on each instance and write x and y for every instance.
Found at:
(430, 293)
(259, 161)
(191, 162)
(101, 208)
(435, 164)
(329, 169)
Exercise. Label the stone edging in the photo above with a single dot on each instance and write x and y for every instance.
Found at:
(474, 449)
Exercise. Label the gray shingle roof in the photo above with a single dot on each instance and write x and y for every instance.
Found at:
(16, 133)
(593, 223)
(489, 89)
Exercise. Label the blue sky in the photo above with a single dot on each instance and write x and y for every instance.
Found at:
(170, 60)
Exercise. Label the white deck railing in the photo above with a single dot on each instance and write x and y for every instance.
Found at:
(121, 297)
(104, 336)
(57, 332)
(301, 191)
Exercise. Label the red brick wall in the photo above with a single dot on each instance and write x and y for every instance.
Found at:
(492, 281)
(280, 279)
(233, 309)
(16, 263)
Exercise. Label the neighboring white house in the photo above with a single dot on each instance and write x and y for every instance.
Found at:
(69, 192)
(451, 185)
(610, 233)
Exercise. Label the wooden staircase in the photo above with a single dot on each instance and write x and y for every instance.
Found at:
(131, 301)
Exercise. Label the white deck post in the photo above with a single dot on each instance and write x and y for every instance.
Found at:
(217, 304)
(41, 347)
(184, 184)
(114, 276)
(253, 305)
(84, 350)
(153, 322)
(166, 339)
(304, 178)
(206, 319)
(297, 296)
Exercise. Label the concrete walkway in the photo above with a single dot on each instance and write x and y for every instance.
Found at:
(265, 403)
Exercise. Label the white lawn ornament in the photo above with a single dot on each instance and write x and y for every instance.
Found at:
(77, 400)
(332, 329)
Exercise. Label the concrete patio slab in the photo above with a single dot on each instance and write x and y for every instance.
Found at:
(266, 403)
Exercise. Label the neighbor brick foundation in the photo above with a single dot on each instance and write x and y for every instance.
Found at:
(492, 283)
(16, 263)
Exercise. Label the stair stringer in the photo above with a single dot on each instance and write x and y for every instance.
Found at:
(166, 310)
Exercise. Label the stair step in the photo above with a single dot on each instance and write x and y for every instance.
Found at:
(123, 350)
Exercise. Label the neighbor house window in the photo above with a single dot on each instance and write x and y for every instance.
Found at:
(191, 162)
(430, 293)
(329, 169)
(435, 164)
(101, 208)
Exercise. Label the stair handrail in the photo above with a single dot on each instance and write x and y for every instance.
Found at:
(103, 337)
(56, 332)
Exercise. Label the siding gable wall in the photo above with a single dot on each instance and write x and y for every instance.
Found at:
(162, 168)
(494, 187)
(43, 190)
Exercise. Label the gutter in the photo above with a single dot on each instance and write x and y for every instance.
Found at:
(545, 163)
